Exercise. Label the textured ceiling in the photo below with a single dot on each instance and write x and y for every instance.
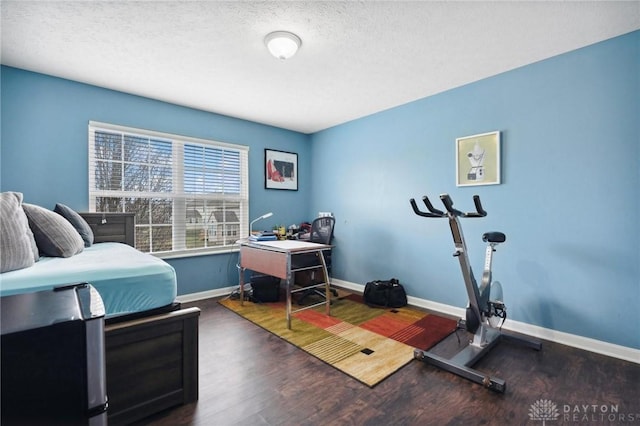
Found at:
(357, 58)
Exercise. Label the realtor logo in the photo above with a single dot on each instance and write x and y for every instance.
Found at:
(543, 410)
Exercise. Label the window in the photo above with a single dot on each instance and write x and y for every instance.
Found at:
(188, 195)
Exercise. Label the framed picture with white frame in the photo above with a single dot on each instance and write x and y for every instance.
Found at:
(478, 159)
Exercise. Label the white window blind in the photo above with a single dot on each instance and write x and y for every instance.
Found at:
(189, 195)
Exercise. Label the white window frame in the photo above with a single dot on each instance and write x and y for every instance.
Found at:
(177, 194)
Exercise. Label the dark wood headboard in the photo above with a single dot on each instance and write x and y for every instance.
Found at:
(112, 227)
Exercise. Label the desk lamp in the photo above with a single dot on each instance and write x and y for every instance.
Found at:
(264, 216)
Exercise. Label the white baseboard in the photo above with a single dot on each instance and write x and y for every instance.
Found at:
(580, 342)
(218, 292)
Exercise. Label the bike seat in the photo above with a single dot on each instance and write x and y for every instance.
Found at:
(494, 237)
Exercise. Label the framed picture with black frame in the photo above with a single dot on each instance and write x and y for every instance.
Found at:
(280, 170)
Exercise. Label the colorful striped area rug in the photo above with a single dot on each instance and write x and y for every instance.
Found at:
(368, 344)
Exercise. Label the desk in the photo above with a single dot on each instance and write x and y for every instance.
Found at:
(275, 258)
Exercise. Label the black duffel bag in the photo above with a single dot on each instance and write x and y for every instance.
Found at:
(385, 294)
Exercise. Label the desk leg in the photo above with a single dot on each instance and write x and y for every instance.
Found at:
(241, 279)
(288, 293)
(327, 285)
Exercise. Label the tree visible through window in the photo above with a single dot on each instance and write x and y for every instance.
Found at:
(187, 194)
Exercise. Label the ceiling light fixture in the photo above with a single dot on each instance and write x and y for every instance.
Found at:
(282, 44)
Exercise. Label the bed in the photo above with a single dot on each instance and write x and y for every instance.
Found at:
(151, 342)
(128, 280)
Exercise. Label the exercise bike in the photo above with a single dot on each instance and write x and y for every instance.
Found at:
(485, 312)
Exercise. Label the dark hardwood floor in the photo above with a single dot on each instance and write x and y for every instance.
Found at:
(251, 377)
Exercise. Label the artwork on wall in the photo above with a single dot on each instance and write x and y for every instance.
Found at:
(478, 159)
(280, 170)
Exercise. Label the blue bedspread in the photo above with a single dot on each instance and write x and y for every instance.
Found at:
(128, 280)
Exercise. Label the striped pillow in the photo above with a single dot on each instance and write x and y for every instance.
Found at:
(55, 236)
(16, 240)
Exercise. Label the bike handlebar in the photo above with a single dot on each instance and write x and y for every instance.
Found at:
(433, 212)
(479, 210)
(448, 204)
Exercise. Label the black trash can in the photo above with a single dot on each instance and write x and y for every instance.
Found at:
(265, 288)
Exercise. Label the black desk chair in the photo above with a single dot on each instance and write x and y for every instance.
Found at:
(322, 233)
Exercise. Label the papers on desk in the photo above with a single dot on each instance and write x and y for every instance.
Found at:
(263, 236)
(290, 245)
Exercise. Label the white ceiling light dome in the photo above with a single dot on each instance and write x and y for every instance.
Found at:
(282, 44)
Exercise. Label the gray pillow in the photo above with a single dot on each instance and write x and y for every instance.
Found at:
(55, 236)
(77, 222)
(16, 239)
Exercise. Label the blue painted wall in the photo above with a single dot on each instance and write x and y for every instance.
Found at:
(569, 201)
(44, 153)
